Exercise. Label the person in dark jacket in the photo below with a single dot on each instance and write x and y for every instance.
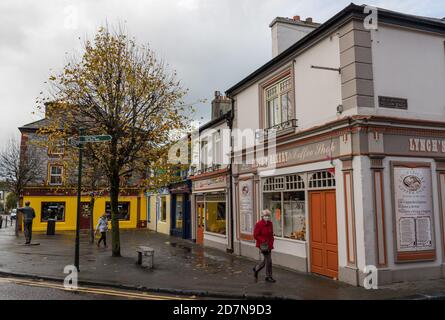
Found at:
(28, 216)
(263, 234)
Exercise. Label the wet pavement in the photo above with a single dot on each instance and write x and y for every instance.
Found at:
(180, 266)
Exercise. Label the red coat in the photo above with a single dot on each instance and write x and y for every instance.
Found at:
(263, 232)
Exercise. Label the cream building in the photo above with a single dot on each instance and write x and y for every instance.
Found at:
(358, 176)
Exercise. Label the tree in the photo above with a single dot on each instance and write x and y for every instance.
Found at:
(121, 89)
(11, 201)
(18, 167)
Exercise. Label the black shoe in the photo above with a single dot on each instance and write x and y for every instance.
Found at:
(270, 279)
(255, 273)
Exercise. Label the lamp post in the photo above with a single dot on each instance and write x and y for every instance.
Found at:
(79, 185)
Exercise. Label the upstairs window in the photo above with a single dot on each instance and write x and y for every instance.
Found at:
(278, 106)
(55, 175)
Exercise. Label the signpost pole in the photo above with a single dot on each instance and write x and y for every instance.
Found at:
(79, 184)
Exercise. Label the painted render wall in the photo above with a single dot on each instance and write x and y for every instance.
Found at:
(409, 64)
(318, 92)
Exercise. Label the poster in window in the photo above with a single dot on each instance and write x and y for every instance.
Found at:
(246, 206)
(413, 206)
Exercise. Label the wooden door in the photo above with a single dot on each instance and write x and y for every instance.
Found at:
(84, 215)
(200, 224)
(323, 239)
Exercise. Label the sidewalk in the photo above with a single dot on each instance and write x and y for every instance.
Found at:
(180, 267)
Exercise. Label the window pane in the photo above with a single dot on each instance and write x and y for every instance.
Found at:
(272, 201)
(179, 211)
(285, 108)
(163, 213)
(269, 114)
(294, 215)
(123, 210)
(277, 112)
(216, 217)
(53, 210)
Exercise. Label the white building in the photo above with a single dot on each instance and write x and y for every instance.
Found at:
(358, 178)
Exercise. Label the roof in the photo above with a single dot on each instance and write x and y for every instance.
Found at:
(214, 122)
(302, 23)
(35, 125)
(352, 11)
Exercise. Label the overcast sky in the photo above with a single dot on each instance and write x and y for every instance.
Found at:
(211, 43)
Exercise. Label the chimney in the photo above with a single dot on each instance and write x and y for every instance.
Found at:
(220, 105)
(287, 31)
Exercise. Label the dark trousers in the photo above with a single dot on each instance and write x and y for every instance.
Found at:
(267, 262)
(28, 231)
(103, 237)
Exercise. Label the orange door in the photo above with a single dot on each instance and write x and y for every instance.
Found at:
(323, 226)
(200, 224)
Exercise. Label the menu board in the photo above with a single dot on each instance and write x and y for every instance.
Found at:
(246, 206)
(413, 204)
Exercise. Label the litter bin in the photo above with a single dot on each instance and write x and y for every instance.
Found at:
(51, 227)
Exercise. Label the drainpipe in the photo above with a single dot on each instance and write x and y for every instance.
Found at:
(229, 119)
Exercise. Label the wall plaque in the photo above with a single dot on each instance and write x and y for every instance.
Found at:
(393, 103)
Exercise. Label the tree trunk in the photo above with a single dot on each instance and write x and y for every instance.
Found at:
(114, 197)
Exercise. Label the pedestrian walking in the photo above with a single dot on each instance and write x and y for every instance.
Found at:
(102, 227)
(263, 234)
(28, 216)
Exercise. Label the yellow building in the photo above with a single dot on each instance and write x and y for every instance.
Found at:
(160, 212)
(63, 207)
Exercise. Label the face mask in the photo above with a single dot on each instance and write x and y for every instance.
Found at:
(266, 218)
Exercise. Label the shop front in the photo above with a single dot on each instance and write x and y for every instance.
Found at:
(211, 210)
(181, 209)
(368, 197)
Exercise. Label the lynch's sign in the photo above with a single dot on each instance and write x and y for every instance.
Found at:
(427, 145)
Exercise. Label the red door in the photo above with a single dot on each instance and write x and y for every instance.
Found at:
(200, 224)
(84, 215)
(324, 244)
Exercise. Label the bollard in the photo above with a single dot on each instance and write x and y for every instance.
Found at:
(1, 222)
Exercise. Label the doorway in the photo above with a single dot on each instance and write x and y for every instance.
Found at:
(85, 216)
(200, 223)
(323, 238)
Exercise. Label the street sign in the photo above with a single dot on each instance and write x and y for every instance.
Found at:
(87, 139)
(98, 138)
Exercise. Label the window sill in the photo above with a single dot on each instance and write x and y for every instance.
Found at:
(291, 240)
(222, 236)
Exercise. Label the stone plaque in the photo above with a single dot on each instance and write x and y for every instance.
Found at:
(393, 103)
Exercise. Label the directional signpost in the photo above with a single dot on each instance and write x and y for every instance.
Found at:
(79, 144)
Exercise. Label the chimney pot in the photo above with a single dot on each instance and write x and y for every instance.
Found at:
(296, 18)
(310, 20)
(217, 94)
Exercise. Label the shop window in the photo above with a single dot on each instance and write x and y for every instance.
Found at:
(215, 218)
(53, 210)
(123, 212)
(163, 209)
(179, 211)
(55, 175)
(322, 179)
(285, 197)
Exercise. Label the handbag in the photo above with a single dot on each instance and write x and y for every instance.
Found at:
(264, 246)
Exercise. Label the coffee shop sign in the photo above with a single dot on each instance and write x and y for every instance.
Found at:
(426, 145)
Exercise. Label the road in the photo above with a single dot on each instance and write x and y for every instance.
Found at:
(24, 289)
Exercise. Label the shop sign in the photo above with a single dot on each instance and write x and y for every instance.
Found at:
(212, 183)
(246, 206)
(426, 145)
(308, 153)
(413, 206)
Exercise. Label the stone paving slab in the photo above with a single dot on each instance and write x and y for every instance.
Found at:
(181, 266)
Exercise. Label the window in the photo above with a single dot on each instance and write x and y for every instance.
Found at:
(204, 155)
(55, 175)
(123, 210)
(215, 217)
(285, 196)
(179, 211)
(321, 179)
(216, 148)
(57, 149)
(53, 210)
(163, 209)
(278, 106)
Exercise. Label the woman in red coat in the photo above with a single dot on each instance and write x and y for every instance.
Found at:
(263, 234)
